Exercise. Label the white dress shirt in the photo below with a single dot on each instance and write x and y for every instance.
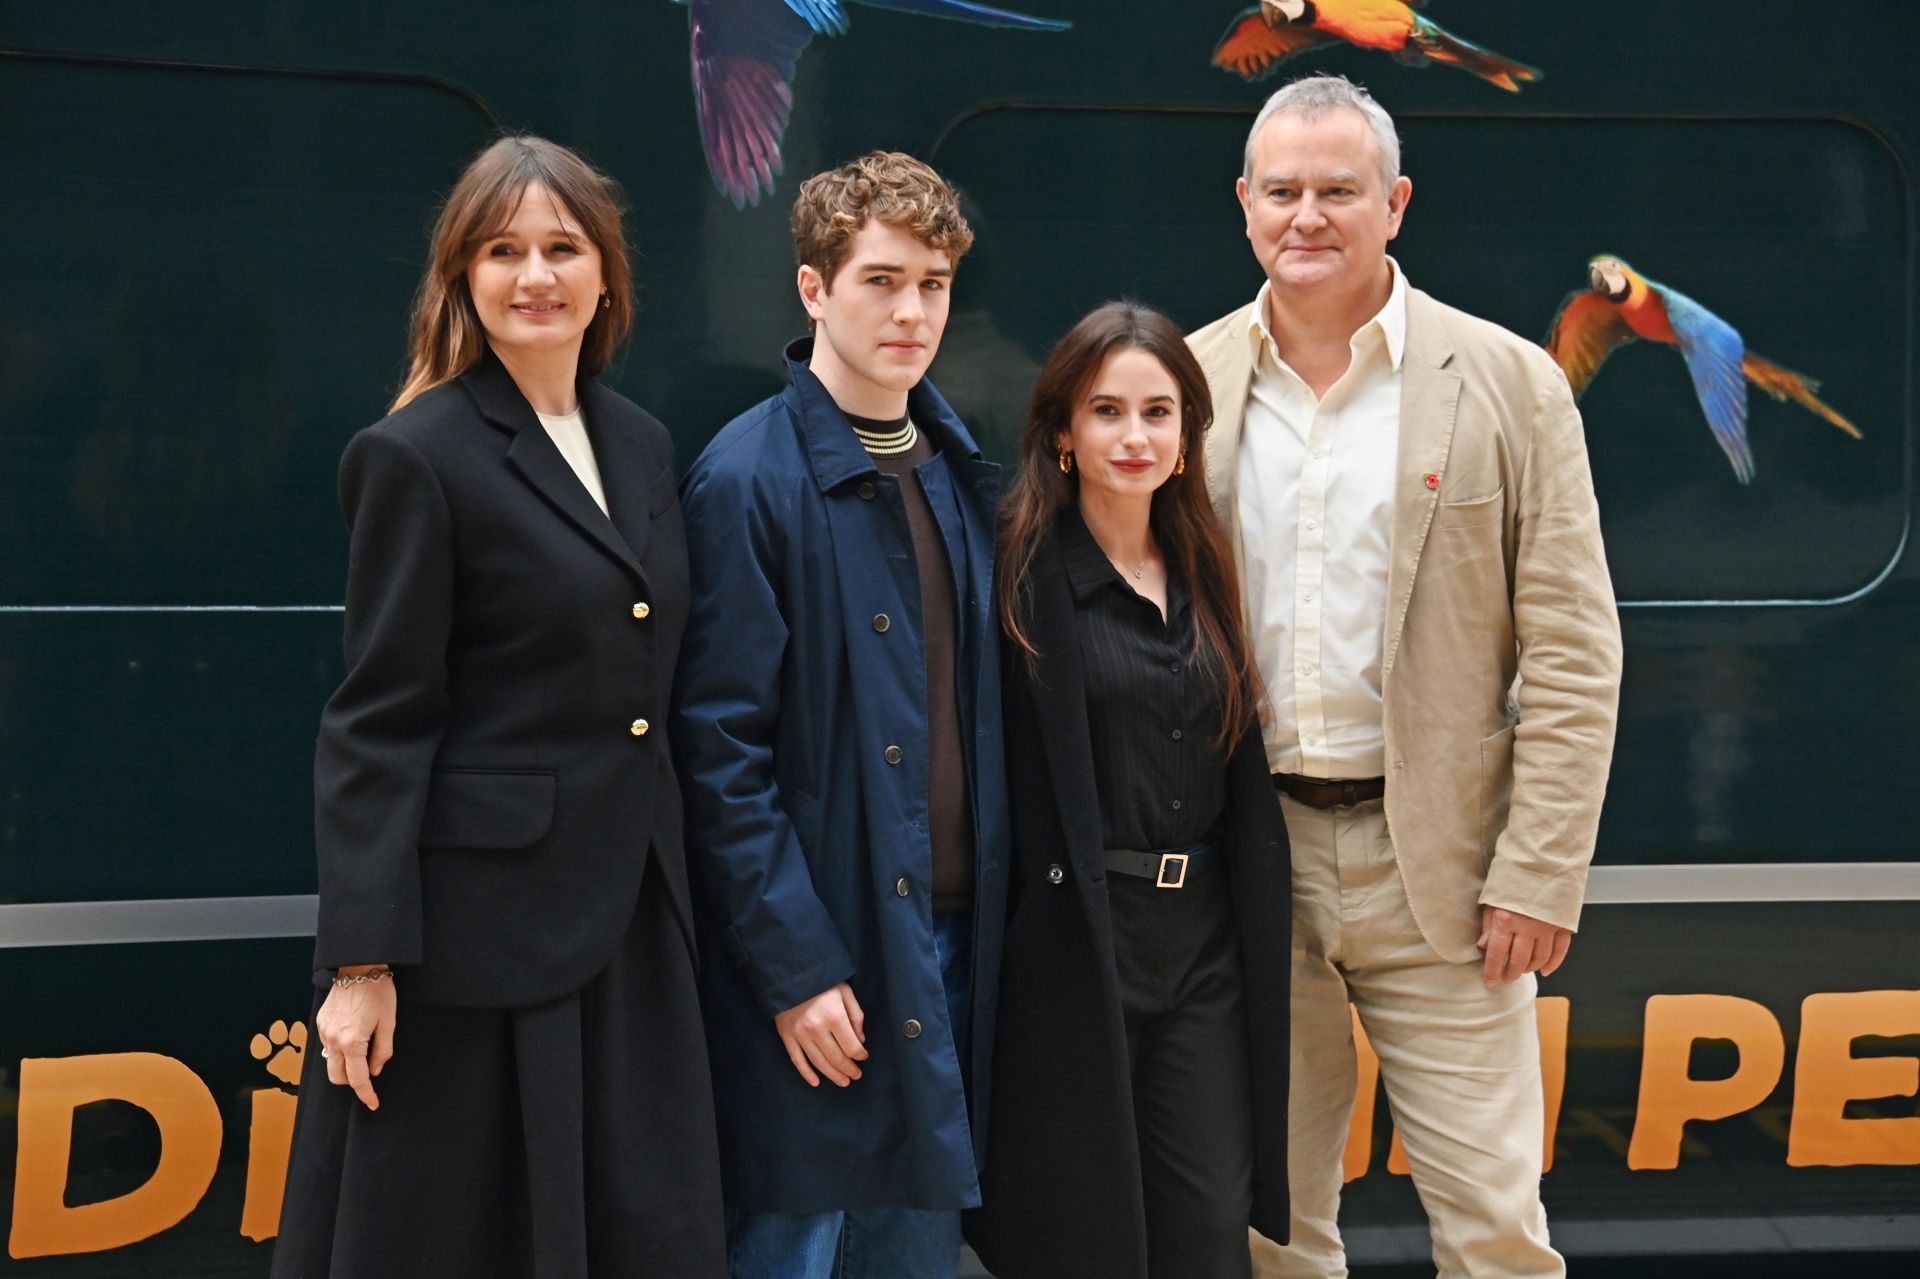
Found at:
(1315, 505)
(569, 435)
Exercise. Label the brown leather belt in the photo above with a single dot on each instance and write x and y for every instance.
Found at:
(1317, 792)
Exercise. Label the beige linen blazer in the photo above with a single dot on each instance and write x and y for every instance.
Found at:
(1501, 669)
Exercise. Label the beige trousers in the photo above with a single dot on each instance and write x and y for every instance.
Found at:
(1461, 1065)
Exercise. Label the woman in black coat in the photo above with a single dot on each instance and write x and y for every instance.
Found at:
(512, 1078)
(1140, 1078)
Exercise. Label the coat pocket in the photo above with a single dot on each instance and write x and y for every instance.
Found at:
(1491, 509)
(492, 808)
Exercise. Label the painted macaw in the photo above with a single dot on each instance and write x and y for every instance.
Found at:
(1261, 38)
(1619, 304)
(744, 52)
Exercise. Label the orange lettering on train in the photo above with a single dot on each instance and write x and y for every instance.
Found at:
(1359, 1155)
(1826, 1076)
(282, 1052)
(1670, 1096)
(51, 1089)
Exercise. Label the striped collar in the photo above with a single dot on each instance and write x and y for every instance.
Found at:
(888, 443)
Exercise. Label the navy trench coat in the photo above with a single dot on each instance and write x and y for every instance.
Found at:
(800, 724)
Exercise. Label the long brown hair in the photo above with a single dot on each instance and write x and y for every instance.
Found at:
(1182, 520)
(448, 338)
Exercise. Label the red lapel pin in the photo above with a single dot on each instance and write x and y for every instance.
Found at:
(1431, 479)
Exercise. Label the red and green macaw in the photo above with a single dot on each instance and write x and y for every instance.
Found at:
(744, 54)
(1619, 304)
(1261, 38)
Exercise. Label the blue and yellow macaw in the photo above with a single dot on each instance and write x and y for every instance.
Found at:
(744, 53)
(1619, 304)
(1259, 39)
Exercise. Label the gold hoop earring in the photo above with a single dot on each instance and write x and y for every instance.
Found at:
(1066, 461)
(1180, 467)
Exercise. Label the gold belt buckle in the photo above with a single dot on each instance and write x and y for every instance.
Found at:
(1177, 862)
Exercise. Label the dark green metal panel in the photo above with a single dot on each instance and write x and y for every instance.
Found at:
(214, 216)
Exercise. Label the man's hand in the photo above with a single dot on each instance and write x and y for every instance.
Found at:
(829, 1031)
(355, 1025)
(1516, 943)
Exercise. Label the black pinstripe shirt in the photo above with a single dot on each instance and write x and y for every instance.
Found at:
(1153, 715)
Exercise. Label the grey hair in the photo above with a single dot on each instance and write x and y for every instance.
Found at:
(1312, 97)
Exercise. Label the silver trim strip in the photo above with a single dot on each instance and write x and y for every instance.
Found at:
(171, 608)
(177, 919)
(1754, 882)
(112, 923)
(1868, 1232)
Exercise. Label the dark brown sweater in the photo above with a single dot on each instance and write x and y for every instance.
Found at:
(949, 815)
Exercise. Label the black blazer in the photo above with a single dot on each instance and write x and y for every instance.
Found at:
(493, 771)
(1061, 1192)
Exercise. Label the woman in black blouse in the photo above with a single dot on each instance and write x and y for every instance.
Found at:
(1140, 1087)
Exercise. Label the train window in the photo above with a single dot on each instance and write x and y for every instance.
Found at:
(210, 274)
(1807, 261)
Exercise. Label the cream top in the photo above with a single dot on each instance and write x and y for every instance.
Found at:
(569, 435)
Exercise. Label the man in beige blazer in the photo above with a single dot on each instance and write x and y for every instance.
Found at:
(1410, 503)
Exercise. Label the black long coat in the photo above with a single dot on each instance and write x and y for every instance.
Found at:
(1061, 1194)
(493, 775)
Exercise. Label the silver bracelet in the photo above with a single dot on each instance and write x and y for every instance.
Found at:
(378, 974)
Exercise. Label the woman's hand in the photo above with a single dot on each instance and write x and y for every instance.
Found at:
(355, 1025)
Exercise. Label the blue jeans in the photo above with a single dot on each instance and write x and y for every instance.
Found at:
(868, 1243)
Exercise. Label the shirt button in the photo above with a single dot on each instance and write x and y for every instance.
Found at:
(1055, 873)
(912, 1028)
(641, 610)
(895, 754)
(882, 623)
(1174, 667)
(902, 887)
(639, 728)
(1306, 670)
(866, 490)
(1176, 804)
(1312, 524)
(1176, 734)
(1308, 597)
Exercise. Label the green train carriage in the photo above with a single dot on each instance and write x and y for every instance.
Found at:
(214, 216)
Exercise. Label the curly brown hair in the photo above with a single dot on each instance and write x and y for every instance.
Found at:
(888, 185)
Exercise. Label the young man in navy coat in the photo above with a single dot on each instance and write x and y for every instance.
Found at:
(838, 726)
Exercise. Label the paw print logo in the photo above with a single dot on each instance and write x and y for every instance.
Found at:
(291, 1041)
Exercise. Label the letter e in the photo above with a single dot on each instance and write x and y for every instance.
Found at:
(1826, 1076)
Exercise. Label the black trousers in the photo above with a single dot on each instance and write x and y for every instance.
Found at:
(568, 1140)
(1181, 991)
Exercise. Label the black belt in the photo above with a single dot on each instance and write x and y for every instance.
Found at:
(1166, 869)
(1317, 792)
